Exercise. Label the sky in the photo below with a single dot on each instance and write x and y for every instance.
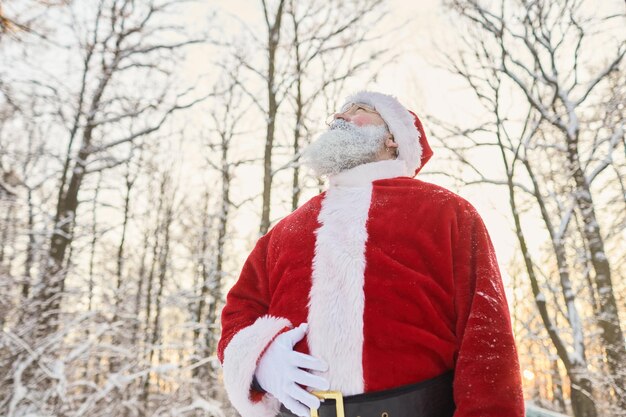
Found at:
(414, 80)
(426, 89)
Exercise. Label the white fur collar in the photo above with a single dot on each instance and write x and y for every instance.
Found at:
(364, 174)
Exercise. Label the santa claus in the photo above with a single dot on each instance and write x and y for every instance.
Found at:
(378, 297)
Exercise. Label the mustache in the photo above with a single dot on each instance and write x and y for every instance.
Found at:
(341, 125)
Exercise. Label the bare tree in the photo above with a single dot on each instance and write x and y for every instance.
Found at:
(321, 42)
(226, 117)
(161, 261)
(329, 47)
(112, 42)
(126, 90)
(517, 48)
(25, 17)
(120, 307)
(227, 114)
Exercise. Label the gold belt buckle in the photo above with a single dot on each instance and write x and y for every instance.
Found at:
(333, 395)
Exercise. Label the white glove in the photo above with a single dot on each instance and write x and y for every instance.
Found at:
(279, 370)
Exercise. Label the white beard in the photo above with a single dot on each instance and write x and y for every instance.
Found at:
(343, 146)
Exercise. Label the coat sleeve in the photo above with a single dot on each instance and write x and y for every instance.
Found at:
(487, 381)
(247, 331)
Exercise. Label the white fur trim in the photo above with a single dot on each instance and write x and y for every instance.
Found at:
(240, 360)
(336, 301)
(400, 123)
(364, 174)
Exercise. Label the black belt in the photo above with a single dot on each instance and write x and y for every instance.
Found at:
(429, 398)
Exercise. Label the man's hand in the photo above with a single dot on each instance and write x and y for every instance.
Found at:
(279, 372)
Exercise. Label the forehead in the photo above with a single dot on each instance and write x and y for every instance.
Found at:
(351, 103)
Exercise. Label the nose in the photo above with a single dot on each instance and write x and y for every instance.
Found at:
(336, 116)
(342, 116)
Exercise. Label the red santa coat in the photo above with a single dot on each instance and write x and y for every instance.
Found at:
(399, 282)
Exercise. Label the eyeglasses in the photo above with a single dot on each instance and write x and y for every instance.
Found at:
(351, 108)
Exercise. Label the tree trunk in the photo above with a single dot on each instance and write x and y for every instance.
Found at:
(557, 387)
(161, 258)
(114, 362)
(211, 336)
(30, 248)
(94, 240)
(583, 404)
(608, 319)
(273, 39)
(295, 188)
(581, 389)
(204, 289)
(48, 296)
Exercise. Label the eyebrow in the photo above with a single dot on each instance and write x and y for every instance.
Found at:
(347, 106)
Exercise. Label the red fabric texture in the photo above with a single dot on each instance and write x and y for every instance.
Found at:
(247, 301)
(427, 151)
(434, 298)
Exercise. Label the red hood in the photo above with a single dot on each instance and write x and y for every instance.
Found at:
(427, 152)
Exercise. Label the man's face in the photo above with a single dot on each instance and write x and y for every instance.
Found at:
(356, 136)
(360, 115)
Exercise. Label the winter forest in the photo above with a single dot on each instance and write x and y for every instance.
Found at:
(145, 145)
